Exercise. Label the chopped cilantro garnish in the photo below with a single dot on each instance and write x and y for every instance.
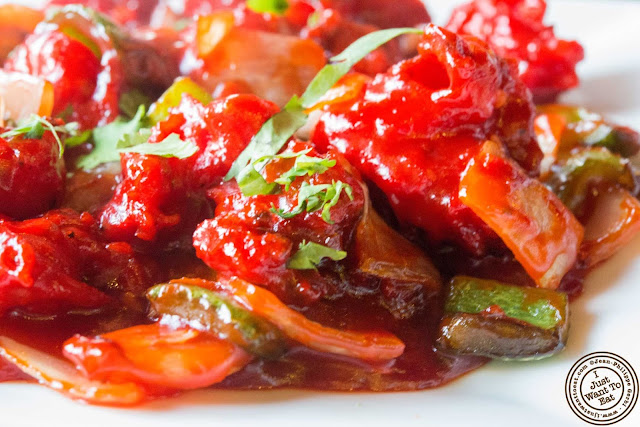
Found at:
(276, 131)
(269, 140)
(133, 139)
(106, 138)
(35, 126)
(252, 183)
(309, 256)
(312, 198)
(122, 136)
(340, 65)
(304, 165)
(80, 138)
(171, 146)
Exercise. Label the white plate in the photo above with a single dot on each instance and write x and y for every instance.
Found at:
(605, 318)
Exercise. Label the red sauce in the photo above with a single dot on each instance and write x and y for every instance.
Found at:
(420, 366)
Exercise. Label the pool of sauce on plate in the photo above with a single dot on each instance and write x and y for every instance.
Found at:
(420, 367)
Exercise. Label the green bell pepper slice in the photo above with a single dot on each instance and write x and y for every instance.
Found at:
(210, 311)
(493, 319)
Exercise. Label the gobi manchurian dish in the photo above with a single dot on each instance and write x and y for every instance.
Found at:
(320, 194)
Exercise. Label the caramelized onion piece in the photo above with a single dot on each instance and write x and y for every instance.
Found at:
(407, 276)
(383, 252)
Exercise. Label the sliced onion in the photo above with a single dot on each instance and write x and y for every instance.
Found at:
(63, 377)
(613, 223)
(548, 129)
(22, 95)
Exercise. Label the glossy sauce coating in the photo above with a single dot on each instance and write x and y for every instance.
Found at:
(413, 130)
(403, 138)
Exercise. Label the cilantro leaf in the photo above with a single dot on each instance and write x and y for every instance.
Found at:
(309, 256)
(133, 139)
(332, 197)
(35, 130)
(276, 131)
(312, 198)
(340, 65)
(171, 146)
(80, 138)
(269, 140)
(304, 165)
(106, 138)
(35, 126)
(252, 183)
(272, 6)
